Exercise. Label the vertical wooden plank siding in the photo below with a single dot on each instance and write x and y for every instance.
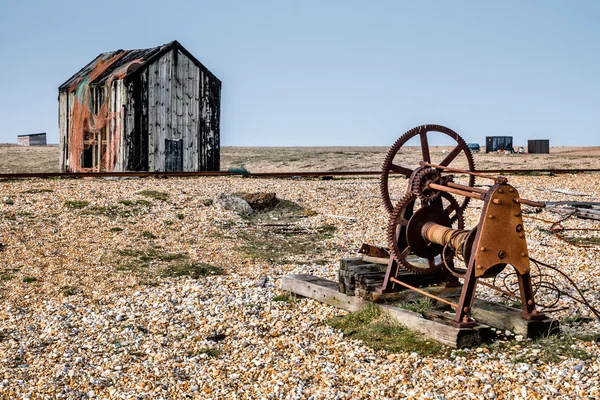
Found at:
(152, 122)
(177, 101)
(129, 130)
(188, 141)
(62, 129)
(142, 126)
(194, 115)
(70, 103)
(216, 125)
(201, 123)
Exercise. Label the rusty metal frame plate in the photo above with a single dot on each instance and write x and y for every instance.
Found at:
(502, 238)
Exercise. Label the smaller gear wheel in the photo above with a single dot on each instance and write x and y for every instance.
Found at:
(397, 232)
(420, 183)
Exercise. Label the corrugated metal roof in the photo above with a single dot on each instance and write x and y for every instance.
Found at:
(147, 55)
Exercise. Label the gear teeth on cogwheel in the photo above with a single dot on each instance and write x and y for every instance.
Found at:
(383, 183)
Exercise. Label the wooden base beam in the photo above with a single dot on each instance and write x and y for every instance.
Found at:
(437, 329)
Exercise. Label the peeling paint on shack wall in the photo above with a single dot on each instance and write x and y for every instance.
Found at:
(125, 110)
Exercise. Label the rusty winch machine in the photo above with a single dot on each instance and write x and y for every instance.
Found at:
(426, 232)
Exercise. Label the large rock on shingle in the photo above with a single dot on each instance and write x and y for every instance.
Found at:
(233, 203)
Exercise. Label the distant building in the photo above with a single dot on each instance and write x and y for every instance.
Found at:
(541, 146)
(499, 143)
(155, 109)
(33, 139)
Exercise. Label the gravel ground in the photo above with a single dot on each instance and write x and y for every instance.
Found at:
(89, 309)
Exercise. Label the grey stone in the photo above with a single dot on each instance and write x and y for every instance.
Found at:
(233, 203)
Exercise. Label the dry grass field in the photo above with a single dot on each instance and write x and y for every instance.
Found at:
(147, 289)
(268, 159)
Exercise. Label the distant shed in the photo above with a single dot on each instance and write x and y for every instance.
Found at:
(155, 109)
(540, 146)
(498, 143)
(33, 139)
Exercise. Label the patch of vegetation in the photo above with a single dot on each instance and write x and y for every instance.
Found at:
(585, 240)
(516, 304)
(29, 279)
(152, 254)
(327, 231)
(155, 262)
(133, 203)
(68, 290)
(148, 282)
(380, 333)
(6, 276)
(210, 351)
(285, 297)
(180, 216)
(9, 202)
(207, 202)
(34, 191)
(76, 204)
(154, 194)
(270, 245)
(149, 235)
(116, 229)
(192, 269)
(110, 211)
(420, 305)
(553, 349)
(10, 216)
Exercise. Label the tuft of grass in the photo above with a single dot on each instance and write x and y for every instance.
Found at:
(207, 202)
(6, 277)
(516, 304)
(68, 290)
(555, 348)
(286, 298)
(180, 216)
(142, 260)
(192, 269)
(133, 203)
(585, 240)
(152, 254)
(34, 191)
(116, 229)
(210, 351)
(380, 333)
(327, 231)
(154, 194)
(9, 202)
(29, 279)
(76, 204)
(149, 235)
(420, 305)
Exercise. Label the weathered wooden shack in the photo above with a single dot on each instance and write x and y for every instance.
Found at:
(32, 139)
(154, 109)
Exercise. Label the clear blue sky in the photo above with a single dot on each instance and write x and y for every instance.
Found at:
(323, 72)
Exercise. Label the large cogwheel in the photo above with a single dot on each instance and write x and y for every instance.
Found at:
(389, 165)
